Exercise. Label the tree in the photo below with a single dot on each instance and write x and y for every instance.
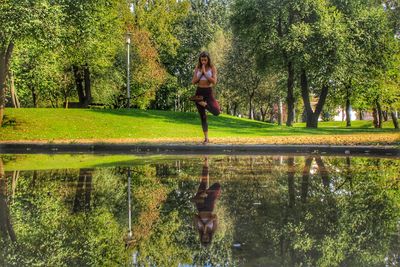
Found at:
(41, 74)
(20, 19)
(268, 23)
(320, 35)
(92, 35)
(379, 52)
(390, 92)
(293, 35)
(242, 74)
(6, 227)
(329, 44)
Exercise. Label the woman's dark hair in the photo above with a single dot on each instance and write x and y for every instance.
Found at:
(206, 237)
(207, 55)
(208, 242)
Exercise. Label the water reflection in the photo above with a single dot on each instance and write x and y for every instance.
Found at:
(206, 221)
(274, 211)
(6, 227)
(83, 191)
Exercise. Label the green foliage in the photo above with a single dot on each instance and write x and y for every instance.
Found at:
(161, 18)
(148, 74)
(40, 77)
(345, 45)
(21, 19)
(336, 211)
(46, 227)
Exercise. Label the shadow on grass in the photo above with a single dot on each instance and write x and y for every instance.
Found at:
(190, 118)
(230, 124)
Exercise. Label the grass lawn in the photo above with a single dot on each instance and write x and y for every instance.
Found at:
(97, 125)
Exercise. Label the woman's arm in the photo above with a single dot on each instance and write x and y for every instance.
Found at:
(213, 78)
(195, 79)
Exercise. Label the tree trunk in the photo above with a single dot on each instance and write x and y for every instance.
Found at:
(34, 178)
(88, 87)
(323, 172)
(290, 94)
(312, 117)
(14, 97)
(5, 56)
(305, 179)
(379, 110)
(251, 113)
(14, 182)
(361, 115)
(394, 119)
(83, 191)
(34, 95)
(385, 115)
(343, 112)
(271, 116)
(280, 112)
(6, 228)
(263, 113)
(348, 107)
(375, 117)
(291, 172)
(304, 116)
(306, 98)
(79, 84)
(348, 174)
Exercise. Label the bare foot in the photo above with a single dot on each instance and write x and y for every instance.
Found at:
(202, 103)
(206, 141)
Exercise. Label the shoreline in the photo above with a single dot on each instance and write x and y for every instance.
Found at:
(196, 149)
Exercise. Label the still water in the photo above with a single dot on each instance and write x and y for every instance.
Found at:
(82, 210)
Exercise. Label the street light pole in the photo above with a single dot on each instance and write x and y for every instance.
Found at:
(129, 204)
(128, 42)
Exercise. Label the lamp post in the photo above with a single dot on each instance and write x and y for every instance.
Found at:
(129, 204)
(128, 42)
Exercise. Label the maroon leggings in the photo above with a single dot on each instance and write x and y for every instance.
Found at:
(213, 192)
(212, 106)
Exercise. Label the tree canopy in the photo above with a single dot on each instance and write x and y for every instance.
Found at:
(319, 54)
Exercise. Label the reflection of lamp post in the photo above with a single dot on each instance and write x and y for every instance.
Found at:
(128, 42)
(129, 204)
(129, 239)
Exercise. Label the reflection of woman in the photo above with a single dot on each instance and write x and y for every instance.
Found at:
(205, 76)
(205, 221)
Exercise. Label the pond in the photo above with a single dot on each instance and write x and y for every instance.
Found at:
(86, 210)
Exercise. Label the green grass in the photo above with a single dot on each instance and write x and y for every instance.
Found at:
(75, 124)
(47, 161)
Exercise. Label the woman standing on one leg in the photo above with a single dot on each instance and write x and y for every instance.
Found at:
(205, 76)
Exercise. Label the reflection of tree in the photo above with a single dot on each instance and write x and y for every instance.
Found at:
(291, 171)
(323, 172)
(83, 190)
(313, 211)
(45, 225)
(6, 227)
(305, 179)
(345, 216)
(162, 227)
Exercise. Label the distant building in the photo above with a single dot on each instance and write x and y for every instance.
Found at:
(341, 115)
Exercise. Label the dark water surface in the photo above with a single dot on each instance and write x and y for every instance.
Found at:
(73, 210)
